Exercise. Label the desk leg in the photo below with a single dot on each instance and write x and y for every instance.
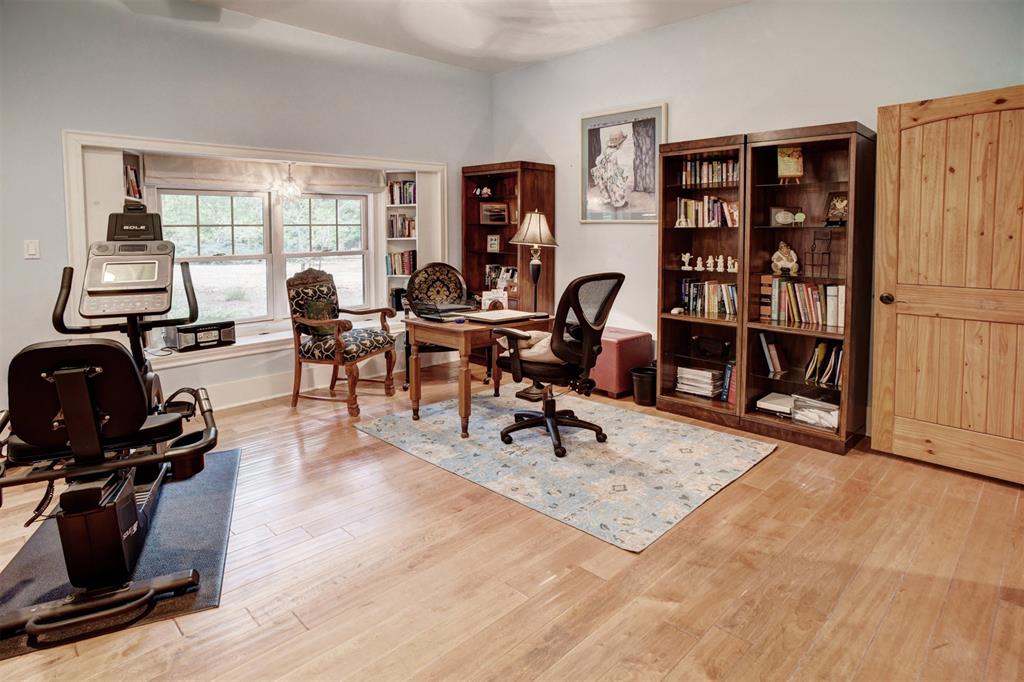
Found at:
(414, 380)
(495, 370)
(465, 384)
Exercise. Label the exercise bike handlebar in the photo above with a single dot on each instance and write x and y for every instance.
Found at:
(64, 294)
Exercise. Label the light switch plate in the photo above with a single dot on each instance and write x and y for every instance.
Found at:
(31, 249)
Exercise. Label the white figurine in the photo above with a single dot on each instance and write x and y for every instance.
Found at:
(732, 265)
(721, 264)
(784, 260)
(700, 264)
(686, 262)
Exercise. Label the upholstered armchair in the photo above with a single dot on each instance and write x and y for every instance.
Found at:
(321, 337)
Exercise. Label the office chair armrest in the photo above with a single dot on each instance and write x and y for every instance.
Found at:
(514, 336)
(385, 313)
(338, 325)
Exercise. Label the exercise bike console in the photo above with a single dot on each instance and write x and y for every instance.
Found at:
(128, 278)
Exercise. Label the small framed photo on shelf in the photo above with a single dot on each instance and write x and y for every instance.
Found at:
(783, 216)
(493, 243)
(837, 209)
(493, 213)
(791, 164)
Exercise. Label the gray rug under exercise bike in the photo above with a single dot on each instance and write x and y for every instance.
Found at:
(191, 530)
(628, 491)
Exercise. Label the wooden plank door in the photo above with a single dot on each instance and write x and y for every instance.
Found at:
(948, 341)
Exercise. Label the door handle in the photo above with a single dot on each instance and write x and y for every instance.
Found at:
(887, 298)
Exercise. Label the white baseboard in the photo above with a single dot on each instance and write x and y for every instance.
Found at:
(265, 387)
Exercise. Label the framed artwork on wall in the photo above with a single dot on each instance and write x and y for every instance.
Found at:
(619, 169)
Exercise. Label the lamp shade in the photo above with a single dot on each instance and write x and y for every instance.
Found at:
(534, 231)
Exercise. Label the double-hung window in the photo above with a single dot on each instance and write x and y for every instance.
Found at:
(241, 248)
(328, 233)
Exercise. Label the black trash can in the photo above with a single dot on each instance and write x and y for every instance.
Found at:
(645, 385)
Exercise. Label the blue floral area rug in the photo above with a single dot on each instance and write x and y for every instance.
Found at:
(628, 491)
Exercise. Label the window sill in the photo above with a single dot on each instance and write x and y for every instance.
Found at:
(254, 344)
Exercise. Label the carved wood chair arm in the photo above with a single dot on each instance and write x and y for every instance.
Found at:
(384, 312)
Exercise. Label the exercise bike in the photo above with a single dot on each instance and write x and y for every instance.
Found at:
(92, 413)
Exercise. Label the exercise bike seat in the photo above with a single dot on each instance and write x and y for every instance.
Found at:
(156, 429)
(114, 387)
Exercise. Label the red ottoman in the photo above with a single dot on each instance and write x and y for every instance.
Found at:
(621, 351)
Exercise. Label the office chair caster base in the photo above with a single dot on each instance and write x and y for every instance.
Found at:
(601, 437)
(405, 387)
(559, 451)
(506, 439)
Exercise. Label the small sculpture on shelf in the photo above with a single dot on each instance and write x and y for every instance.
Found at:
(686, 262)
(700, 264)
(483, 192)
(732, 265)
(784, 261)
(721, 264)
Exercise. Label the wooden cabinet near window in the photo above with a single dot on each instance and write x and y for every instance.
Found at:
(494, 198)
(948, 347)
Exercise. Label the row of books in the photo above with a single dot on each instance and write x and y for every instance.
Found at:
(132, 182)
(707, 299)
(401, 225)
(709, 173)
(402, 192)
(823, 368)
(400, 262)
(710, 211)
(783, 299)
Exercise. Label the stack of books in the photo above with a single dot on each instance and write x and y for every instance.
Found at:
(707, 212)
(710, 173)
(707, 299)
(402, 192)
(783, 299)
(706, 383)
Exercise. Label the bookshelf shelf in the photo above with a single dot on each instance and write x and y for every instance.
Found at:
(835, 158)
(723, 320)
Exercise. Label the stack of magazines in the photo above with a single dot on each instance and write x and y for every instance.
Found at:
(703, 382)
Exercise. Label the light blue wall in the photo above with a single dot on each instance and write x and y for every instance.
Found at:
(758, 66)
(94, 65)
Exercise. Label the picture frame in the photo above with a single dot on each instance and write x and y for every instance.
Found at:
(493, 243)
(619, 173)
(837, 209)
(790, 162)
(782, 216)
(493, 213)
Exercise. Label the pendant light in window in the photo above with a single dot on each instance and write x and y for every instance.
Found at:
(290, 188)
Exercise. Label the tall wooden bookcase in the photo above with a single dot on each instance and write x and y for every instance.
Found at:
(836, 158)
(519, 186)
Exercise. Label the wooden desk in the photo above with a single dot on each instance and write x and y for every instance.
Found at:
(462, 338)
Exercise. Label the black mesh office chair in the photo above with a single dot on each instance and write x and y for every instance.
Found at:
(576, 342)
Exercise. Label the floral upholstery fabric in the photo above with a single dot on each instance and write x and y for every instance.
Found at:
(436, 283)
(358, 343)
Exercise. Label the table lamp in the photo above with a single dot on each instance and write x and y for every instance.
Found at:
(534, 232)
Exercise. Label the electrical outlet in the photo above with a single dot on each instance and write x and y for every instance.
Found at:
(31, 249)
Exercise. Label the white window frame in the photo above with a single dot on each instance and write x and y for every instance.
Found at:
(266, 255)
(75, 142)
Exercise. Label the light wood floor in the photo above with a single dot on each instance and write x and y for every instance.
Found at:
(352, 559)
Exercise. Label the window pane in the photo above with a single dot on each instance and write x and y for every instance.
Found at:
(225, 290)
(214, 210)
(350, 211)
(214, 241)
(248, 239)
(350, 237)
(178, 209)
(324, 212)
(324, 238)
(296, 212)
(248, 210)
(347, 272)
(296, 239)
(185, 240)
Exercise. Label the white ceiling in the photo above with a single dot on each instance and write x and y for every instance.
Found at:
(487, 35)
